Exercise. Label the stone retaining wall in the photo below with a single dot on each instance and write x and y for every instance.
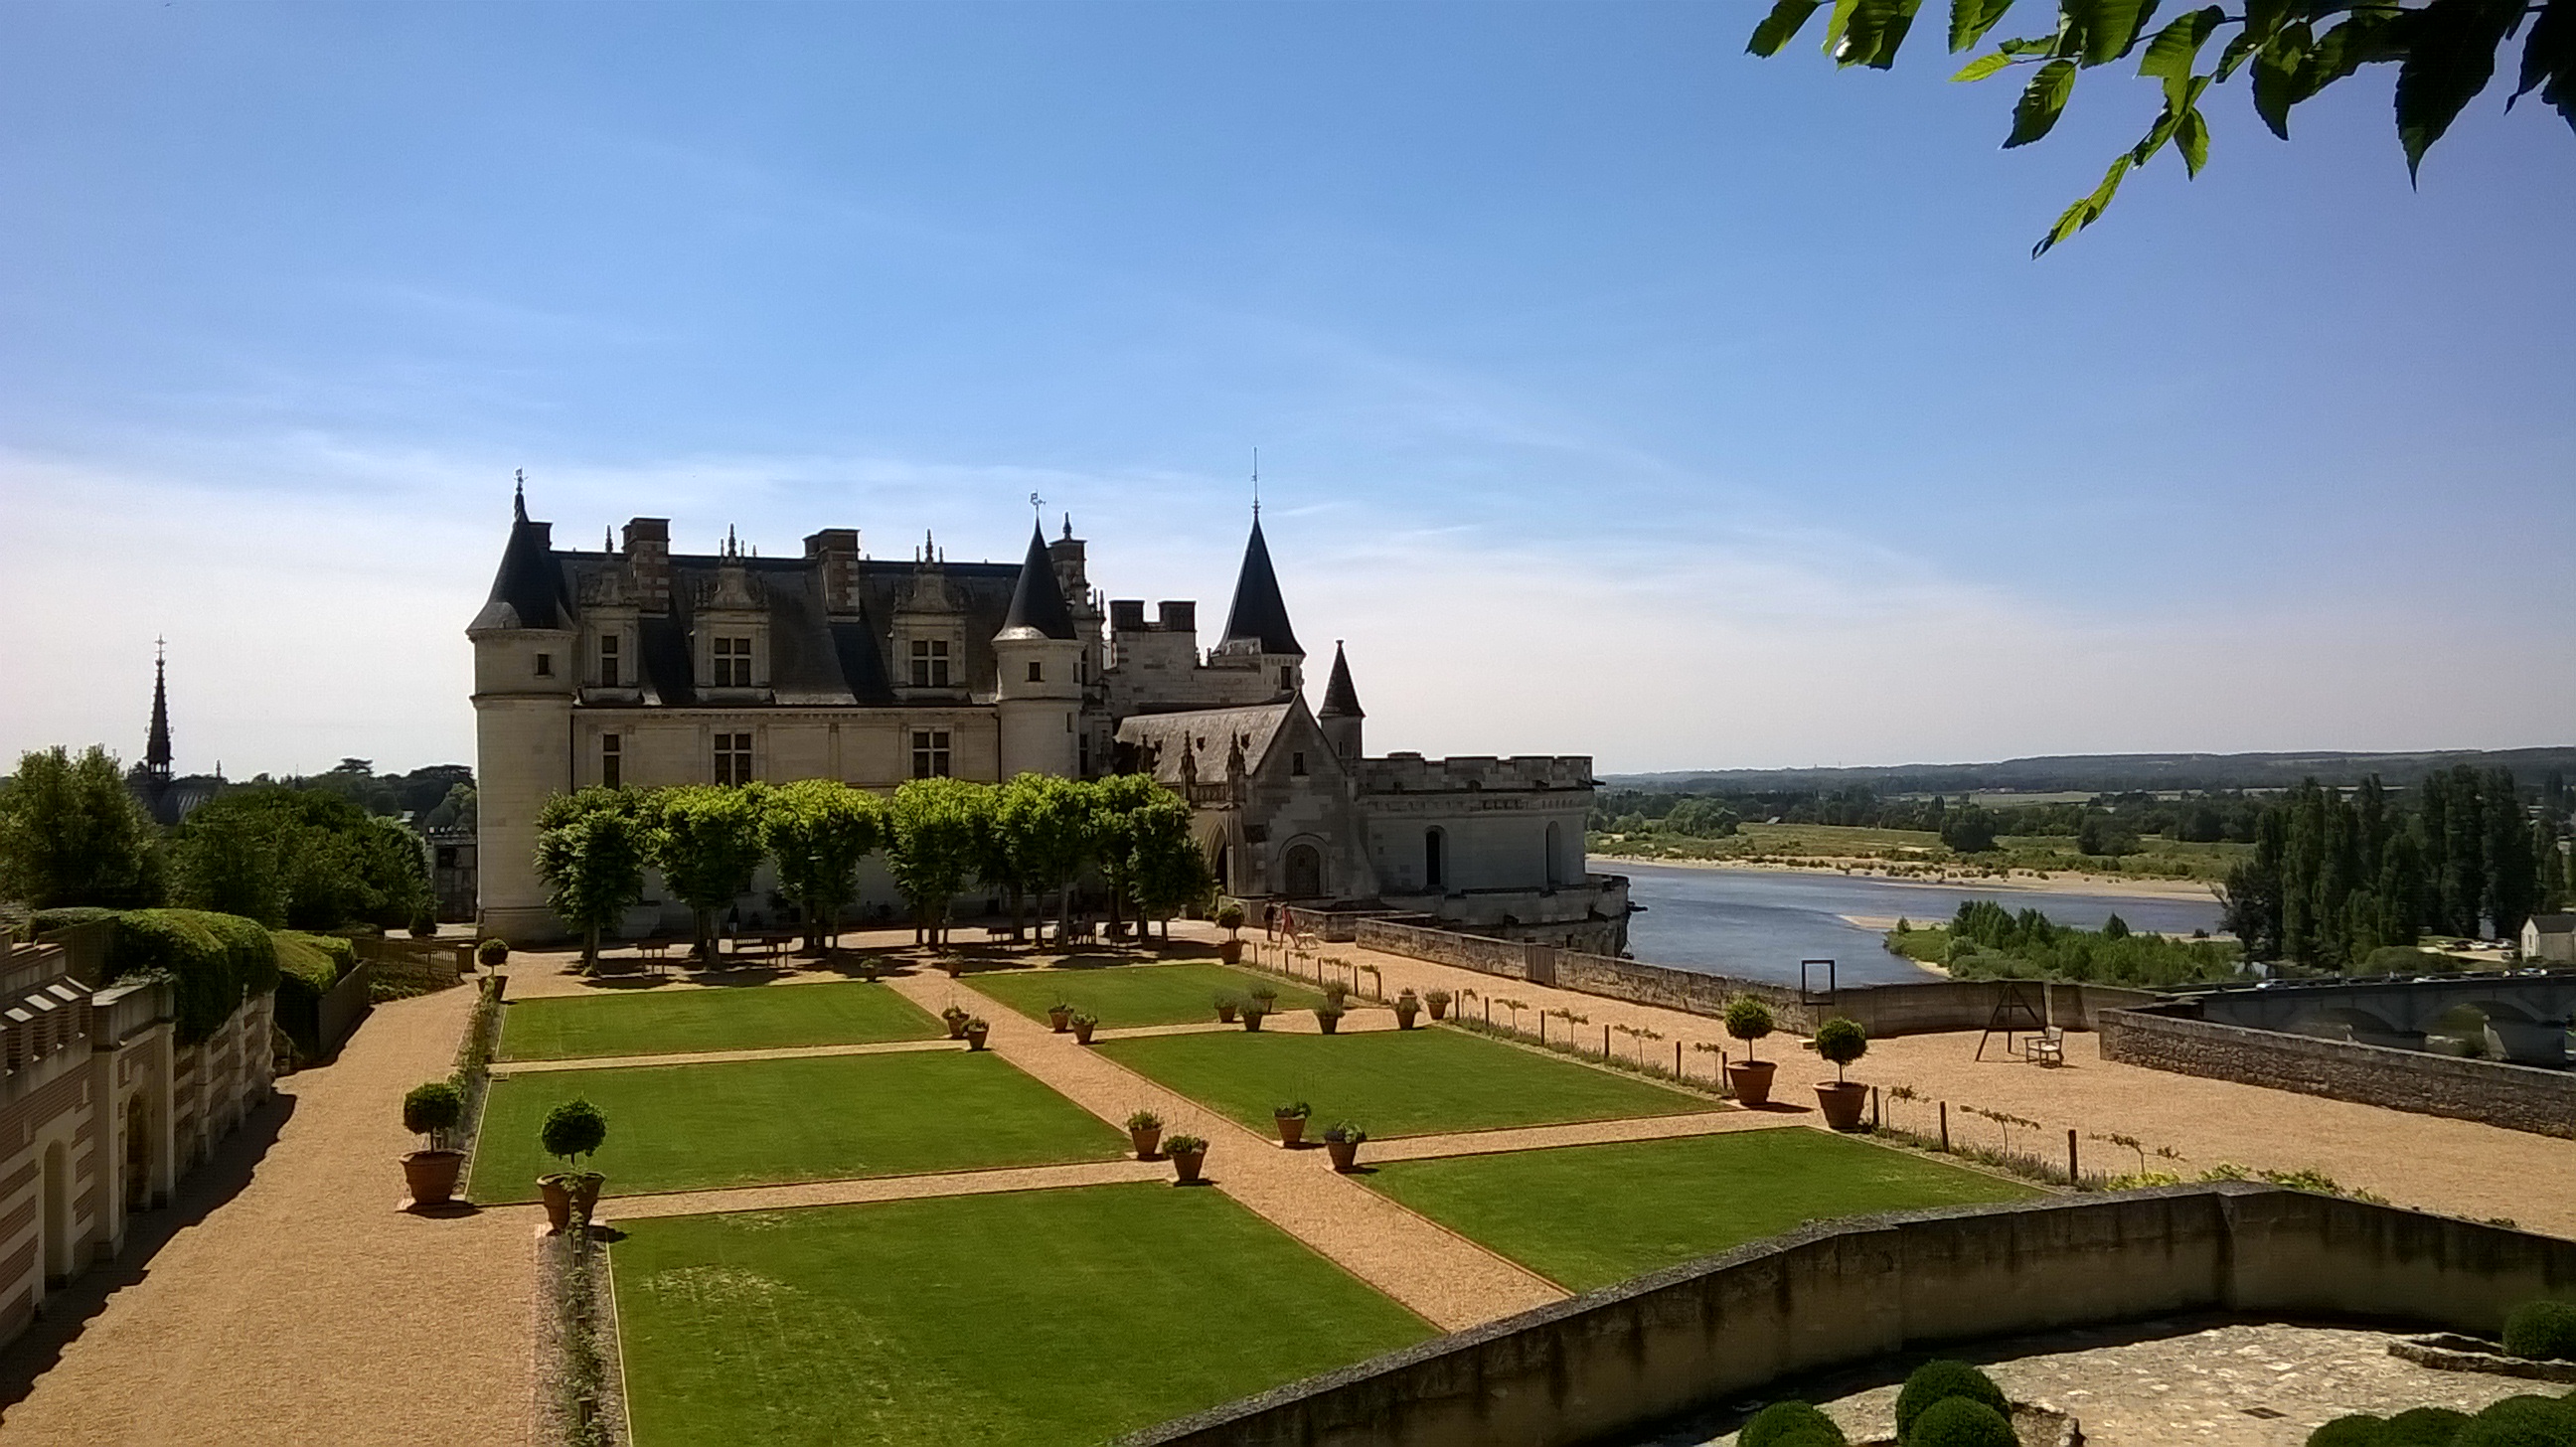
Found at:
(1883, 1010)
(2517, 1097)
(1624, 1359)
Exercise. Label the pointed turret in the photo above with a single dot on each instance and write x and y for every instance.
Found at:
(528, 591)
(156, 749)
(1037, 603)
(1341, 715)
(1259, 614)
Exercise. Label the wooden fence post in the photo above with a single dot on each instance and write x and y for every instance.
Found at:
(2071, 1177)
(1605, 1042)
(1945, 1127)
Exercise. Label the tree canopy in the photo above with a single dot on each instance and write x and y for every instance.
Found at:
(2445, 51)
(72, 833)
(304, 858)
(817, 830)
(706, 841)
(590, 856)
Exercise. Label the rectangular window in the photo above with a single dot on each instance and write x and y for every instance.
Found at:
(930, 753)
(733, 663)
(545, 665)
(930, 663)
(1297, 764)
(611, 772)
(733, 758)
(1037, 671)
(1287, 676)
(608, 661)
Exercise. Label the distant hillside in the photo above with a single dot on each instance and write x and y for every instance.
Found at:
(2113, 773)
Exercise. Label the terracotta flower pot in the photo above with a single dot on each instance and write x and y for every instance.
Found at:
(1404, 1016)
(1752, 1080)
(1185, 1166)
(1329, 1024)
(430, 1176)
(1439, 1009)
(1082, 1031)
(1252, 1020)
(975, 1036)
(1061, 1018)
(1843, 1102)
(1230, 951)
(953, 967)
(1225, 1014)
(1292, 1128)
(1344, 1153)
(1147, 1139)
(556, 1190)
(956, 1027)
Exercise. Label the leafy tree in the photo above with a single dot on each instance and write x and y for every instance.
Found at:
(72, 833)
(1169, 870)
(1046, 824)
(818, 830)
(706, 841)
(2445, 52)
(934, 830)
(1970, 830)
(456, 811)
(2101, 834)
(1119, 805)
(590, 856)
(307, 859)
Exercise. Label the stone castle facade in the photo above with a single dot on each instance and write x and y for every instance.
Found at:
(636, 665)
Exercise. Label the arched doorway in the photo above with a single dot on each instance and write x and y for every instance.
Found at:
(1555, 852)
(1435, 866)
(1304, 869)
(58, 1214)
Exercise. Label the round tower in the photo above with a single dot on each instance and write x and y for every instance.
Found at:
(1037, 696)
(525, 671)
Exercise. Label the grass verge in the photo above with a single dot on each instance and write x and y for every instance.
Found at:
(1130, 995)
(731, 1017)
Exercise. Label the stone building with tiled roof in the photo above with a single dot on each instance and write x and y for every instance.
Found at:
(633, 664)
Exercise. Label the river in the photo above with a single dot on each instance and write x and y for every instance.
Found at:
(1759, 923)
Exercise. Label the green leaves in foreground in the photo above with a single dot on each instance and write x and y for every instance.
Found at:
(2446, 51)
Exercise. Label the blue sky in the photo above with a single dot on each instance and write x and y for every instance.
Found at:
(1617, 392)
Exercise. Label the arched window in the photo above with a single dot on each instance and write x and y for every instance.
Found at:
(1435, 871)
(1555, 853)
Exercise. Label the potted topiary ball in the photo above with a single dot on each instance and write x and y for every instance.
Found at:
(1187, 1153)
(1290, 1119)
(1938, 1381)
(1842, 1041)
(1083, 1025)
(492, 954)
(1407, 1005)
(570, 1133)
(1342, 1141)
(1229, 917)
(1145, 1133)
(1748, 1020)
(432, 1112)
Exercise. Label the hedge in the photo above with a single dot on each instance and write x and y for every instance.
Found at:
(308, 965)
(214, 962)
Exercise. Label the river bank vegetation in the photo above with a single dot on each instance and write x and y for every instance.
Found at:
(1986, 941)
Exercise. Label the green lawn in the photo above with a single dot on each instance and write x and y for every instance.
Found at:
(756, 1122)
(1587, 1216)
(1123, 995)
(733, 1017)
(1025, 1319)
(1392, 1082)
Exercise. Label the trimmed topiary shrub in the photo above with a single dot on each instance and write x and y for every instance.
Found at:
(1938, 1381)
(1962, 1422)
(308, 965)
(2542, 1330)
(492, 953)
(2515, 1421)
(2358, 1430)
(2423, 1427)
(433, 1110)
(1790, 1424)
(213, 962)
(572, 1130)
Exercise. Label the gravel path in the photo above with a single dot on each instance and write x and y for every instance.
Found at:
(2456, 1167)
(1442, 1276)
(304, 1309)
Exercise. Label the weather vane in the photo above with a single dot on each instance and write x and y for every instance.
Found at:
(1036, 504)
(1256, 484)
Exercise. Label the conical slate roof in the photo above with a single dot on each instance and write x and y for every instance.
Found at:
(1037, 603)
(528, 592)
(1340, 699)
(1259, 612)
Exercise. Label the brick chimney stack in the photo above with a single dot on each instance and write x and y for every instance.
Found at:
(648, 557)
(837, 549)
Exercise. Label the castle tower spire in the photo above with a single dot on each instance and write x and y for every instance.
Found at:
(156, 749)
(1259, 613)
(1341, 714)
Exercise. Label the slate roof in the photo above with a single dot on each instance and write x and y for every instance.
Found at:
(530, 590)
(2554, 924)
(1259, 612)
(1037, 602)
(1207, 734)
(1340, 699)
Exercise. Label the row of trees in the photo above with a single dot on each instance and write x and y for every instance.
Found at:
(72, 833)
(1028, 838)
(2336, 876)
(2108, 824)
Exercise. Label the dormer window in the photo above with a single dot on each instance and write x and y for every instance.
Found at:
(608, 661)
(930, 664)
(732, 663)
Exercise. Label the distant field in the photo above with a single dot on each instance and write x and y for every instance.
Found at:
(1920, 851)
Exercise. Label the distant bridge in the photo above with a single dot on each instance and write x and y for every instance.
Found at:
(2527, 1012)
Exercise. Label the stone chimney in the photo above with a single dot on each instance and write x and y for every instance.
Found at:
(648, 557)
(837, 550)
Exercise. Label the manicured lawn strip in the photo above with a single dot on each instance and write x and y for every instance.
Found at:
(1128, 995)
(761, 1122)
(739, 1017)
(1587, 1216)
(1025, 1319)
(1391, 1082)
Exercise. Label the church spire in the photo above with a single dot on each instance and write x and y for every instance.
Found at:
(1259, 613)
(156, 750)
